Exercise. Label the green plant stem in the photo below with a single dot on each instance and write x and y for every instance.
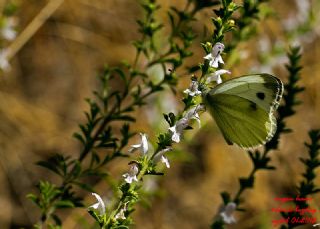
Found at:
(123, 201)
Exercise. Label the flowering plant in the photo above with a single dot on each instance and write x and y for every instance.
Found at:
(106, 135)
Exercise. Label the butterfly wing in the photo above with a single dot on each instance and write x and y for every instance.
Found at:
(243, 108)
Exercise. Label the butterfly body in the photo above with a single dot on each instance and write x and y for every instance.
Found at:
(243, 108)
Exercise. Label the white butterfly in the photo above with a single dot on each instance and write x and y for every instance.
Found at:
(243, 108)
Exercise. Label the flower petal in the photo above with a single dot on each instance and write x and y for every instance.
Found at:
(134, 148)
(227, 219)
(208, 57)
(176, 137)
(100, 205)
(165, 161)
(144, 143)
(175, 134)
(227, 213)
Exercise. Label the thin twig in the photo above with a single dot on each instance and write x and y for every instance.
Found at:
(33, 27)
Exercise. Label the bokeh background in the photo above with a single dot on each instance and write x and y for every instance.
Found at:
(52, 71)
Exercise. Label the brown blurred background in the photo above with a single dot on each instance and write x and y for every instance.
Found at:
(42, 102)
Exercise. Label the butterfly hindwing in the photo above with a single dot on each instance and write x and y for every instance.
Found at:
(243, 108)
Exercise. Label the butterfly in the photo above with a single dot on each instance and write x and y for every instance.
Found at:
(244, 107)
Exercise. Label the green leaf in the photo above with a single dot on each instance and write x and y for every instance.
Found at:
(225, 197)
(33, 198)
(218, 225)
(64, 204)
(79, 137)
(50, 226)
(124, 118)
(84, 186)
(50, 166)
(76, 171)
(98, 173)
(96, 217)
(56, 219)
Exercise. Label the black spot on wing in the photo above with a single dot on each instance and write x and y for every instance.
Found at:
(253, 105)
(261, 95)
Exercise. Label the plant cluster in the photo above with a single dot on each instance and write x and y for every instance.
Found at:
(123, 90)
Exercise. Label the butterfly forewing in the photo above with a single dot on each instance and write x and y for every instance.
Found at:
(263, 89)
(243, 108)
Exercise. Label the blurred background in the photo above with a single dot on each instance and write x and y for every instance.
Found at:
(55, 50)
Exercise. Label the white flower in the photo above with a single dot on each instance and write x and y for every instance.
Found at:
(180, 125)
(99, 205)
(215, 56)
(143, 146)
(216, 76)
(7, 31)
(4, 63)
(177, 129)
(227, 213)
(160, 156)
(193, 113)
(120, 214)
(132, 174)
(193, 89)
